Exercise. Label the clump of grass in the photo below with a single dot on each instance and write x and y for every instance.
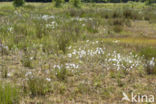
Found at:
(63, 41)
(149, 14)
(117, 24)
(8, 94)
(27, 60)
(130, 13)
(105, 92)
(151, 66)
(118, 21)
(61, 73)
(92, 26)
(41, 29)
(148, 53)
(60, 87)
(117, 29)
(29, 6)
(150, 59)
(105, 13)
(4, 72)
(49, 45)
(117, 13)
(74, 12)
(4, 50)
(69, 32)
(83, 88)
(38, 86)
(127, 13)
(128, 22)
(23, 32)
(120, 83)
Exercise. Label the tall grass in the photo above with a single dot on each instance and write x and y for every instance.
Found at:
(8, 94)
(38, 86)
(150, 59)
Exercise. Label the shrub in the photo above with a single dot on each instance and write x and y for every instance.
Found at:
(149, 2)
(76, 3)
(8, 94)
(18, 3)
(58, 3)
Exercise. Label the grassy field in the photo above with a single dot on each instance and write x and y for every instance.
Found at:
(86, 55)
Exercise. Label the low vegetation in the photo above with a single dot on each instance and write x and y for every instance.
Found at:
(8, 94)
(76, 52)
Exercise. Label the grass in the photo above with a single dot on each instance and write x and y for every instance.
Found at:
(8, 94)
(37, 88)
(76, 55)
(133, 41)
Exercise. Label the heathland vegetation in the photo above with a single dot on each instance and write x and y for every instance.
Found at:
(75, 52)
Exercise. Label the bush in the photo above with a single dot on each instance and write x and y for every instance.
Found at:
(18, 3)
(58, 3)
(149, 2)
(76, 3)
(8, 94)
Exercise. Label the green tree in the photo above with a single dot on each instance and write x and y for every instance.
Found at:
(149, 2)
